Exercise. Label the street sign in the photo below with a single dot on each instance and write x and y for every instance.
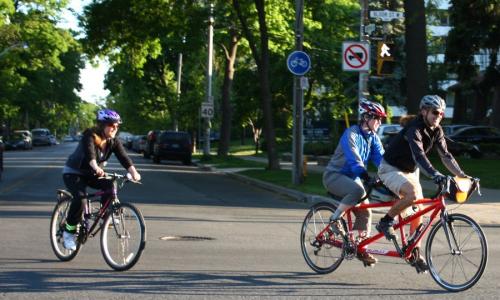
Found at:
(386, 15)
(298, 62)
(355, 56)
(207, 110)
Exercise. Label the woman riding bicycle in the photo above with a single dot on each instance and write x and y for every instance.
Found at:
(348, 165)
(85, 165)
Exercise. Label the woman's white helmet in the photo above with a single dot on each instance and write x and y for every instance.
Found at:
(432, 101)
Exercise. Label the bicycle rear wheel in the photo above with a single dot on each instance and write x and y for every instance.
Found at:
(323, 252)
(57, 226)
(123, 237)
(460, 266)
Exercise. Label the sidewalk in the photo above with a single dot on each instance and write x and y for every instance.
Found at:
(484, 209)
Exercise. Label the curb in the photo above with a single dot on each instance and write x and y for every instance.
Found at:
(295, 195)
(485, 218)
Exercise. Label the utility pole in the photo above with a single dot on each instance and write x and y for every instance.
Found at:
(298, 99)
(363, 37)
(179, 73)
(210, 99)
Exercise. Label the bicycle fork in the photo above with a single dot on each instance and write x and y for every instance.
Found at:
(450, 234)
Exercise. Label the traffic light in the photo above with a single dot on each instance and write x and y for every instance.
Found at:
(385, 58)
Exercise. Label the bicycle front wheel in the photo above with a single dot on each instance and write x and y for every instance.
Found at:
(57, 227)
(322, 250)
(457, 252)
(123, 237)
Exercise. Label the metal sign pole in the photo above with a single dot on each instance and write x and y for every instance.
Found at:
(206, 148)
(363, 76)
(298, 94)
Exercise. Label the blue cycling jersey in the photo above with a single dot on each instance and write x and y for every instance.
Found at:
(353, 152)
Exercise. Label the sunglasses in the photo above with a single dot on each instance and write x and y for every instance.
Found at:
(438, 113)
(113, 125)
(377, 118)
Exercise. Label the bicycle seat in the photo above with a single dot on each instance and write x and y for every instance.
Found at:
(381, 193)
(64, 193)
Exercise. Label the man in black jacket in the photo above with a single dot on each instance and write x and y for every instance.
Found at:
(84, 167)
(406, 156)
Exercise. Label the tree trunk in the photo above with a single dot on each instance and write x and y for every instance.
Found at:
(480, 106)
(262, 62)
(225, 135)
(416, 54)
(460, 106)
(265, 90)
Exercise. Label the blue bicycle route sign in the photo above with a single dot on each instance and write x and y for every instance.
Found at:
(298, 62)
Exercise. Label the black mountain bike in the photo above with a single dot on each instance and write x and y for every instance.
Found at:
(122, 227)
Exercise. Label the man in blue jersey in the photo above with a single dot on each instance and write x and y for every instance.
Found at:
(358, 145)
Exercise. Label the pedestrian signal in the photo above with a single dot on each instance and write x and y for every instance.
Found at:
(385, 58)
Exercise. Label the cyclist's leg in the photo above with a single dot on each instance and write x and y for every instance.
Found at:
(402, 184)
(363, 220)
(101, 184)
(342, 186)
(76, 185)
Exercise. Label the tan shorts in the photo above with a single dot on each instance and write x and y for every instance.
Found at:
(393, 178)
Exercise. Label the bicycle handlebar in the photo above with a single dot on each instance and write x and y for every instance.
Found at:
(126, 178)
(444, 188)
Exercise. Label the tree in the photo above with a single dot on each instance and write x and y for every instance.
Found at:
(416, 54)
(39, 68)
(143, 40)
(230, 58)
(475, 22)
(260, 53)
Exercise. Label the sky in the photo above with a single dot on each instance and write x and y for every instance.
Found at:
(92, 77)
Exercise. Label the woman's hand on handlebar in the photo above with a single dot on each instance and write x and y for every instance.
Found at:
(134, 174)
(99, 172)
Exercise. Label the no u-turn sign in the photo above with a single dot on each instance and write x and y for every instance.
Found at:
(355, 56)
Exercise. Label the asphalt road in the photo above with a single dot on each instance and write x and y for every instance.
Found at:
(236, 241)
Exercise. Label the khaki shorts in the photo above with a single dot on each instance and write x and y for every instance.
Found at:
(393, 178)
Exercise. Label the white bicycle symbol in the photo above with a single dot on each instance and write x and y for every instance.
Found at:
(298, 62)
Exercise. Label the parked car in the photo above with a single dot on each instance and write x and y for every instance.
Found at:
(53, 140)
(463, 149)
(18, 141)
(28, 135)
(125, 138)
(477, 135)
(150, 141)
(173, 145)
(25, 132)
(69, 139)
(41, 136)
(451, 129)
(139, 143)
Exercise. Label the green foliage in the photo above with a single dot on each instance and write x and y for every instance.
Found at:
(39, 65)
